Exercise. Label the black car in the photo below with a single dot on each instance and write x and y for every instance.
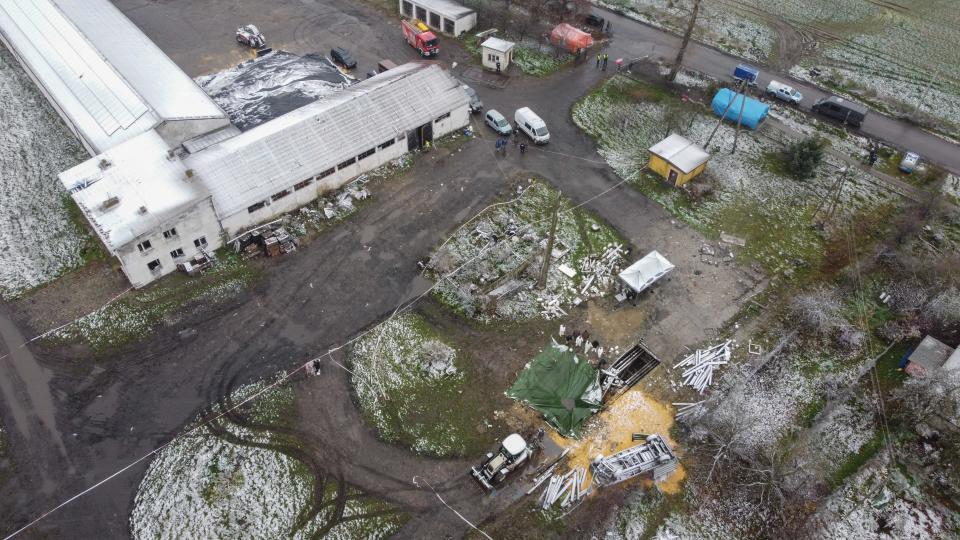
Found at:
(342, 56)
(594, 20)
(842, 110)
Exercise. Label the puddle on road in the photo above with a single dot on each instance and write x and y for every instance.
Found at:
(21, 368)
(612, 431)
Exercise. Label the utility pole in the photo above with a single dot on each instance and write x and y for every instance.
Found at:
(736, 134)
(723, 115)
(677, 63)
(548, 253)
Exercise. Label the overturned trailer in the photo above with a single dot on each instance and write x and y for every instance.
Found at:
(654, 456)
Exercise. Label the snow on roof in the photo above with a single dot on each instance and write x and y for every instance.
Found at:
(102, 73)
(274, 156)
(447, 8)
(681, 152)
(136, 190)
(497, 44)
(643, 273)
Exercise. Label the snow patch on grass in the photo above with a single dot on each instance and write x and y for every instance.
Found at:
(410, 388)
(38, 239)
(202, 483)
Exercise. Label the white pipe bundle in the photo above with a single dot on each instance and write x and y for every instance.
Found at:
(568, 487)
(700, 365)
(687, 409)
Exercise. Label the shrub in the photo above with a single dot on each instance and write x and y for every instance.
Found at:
(803, 157)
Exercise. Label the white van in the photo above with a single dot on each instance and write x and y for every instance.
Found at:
(531, 124)
(784, 92)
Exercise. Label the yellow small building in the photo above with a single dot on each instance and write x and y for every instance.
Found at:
(677, 159)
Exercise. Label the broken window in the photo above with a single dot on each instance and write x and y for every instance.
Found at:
(421, 13)
(434, 20)
(200, 242)
(346, 163)
(326, 173)
(279, 195)
(254, 207)
(366, 154)
(407, 8)
(144, 246)
(448, 25)
(170, 233)
(300, 185)
(176, 253)
(153, 265)
(442, 117)
(386, 144)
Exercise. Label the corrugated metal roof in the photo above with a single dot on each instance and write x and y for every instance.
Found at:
(146, 189)
(498, 44)
(206, 140)
(447, 8)
(276, 155)
(102, 73)
(164, 86)
(681, 152)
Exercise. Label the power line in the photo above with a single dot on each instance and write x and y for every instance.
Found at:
(402, 307)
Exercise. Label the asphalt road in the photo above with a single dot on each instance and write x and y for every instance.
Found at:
(632, 39)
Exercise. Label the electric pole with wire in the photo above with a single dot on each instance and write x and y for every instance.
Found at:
(677, 63)
(548, 252)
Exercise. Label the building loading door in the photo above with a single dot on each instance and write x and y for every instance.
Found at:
(416, 137)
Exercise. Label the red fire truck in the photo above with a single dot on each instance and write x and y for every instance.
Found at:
(419, 36)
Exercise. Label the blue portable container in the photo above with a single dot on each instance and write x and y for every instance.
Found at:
(743, 72)
(754, 111)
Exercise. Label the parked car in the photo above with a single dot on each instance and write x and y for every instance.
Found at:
(531, 124)
(594, 20)
(744, 72)
(909, 162)
(784, 92)
(842, 110)
(475, 104)
(343, 57)
(251, 36)
(498, 122)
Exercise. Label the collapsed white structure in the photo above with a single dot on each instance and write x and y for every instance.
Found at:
(104, 77)
(155, 205)
(643, 273)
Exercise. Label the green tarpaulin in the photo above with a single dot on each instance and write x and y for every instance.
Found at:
(562, 386)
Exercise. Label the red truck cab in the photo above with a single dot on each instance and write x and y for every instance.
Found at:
(419, 36)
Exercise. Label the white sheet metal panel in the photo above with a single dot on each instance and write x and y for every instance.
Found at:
(87, 91)
(643, 273)
(274, 156)
(447, 8)
(681, 152)
(163, 85)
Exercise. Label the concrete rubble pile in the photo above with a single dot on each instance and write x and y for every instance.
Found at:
(698, 367)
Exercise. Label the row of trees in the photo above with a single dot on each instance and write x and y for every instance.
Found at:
(524, 18)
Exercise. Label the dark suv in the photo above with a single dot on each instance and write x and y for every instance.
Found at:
(342, 56)
(842, 110)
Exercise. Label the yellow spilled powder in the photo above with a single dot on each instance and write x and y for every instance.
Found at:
(612, 431)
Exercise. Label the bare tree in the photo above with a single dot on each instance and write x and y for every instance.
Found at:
(819, 311)
(691, 24)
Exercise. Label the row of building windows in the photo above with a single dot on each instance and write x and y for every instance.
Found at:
(306, 183)
(155, 265)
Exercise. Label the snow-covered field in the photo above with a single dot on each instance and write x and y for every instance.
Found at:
(38, 241)
(265, 88)
(717, 24)
(503, 248)
(749, 199)
(202, 486)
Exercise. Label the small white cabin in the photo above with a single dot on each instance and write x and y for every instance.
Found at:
(496, 50)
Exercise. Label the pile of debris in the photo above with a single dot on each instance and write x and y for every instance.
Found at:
(271, 239)
(700, 365)
(685, 410)
(567, 488)
(599, 271)
(654, 456)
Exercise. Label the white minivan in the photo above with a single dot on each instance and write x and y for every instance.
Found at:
(531, 124)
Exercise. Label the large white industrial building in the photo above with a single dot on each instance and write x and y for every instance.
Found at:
(171, 178)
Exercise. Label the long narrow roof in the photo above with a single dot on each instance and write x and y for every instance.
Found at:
(276, 155)
(99, 70)
(448, 8)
